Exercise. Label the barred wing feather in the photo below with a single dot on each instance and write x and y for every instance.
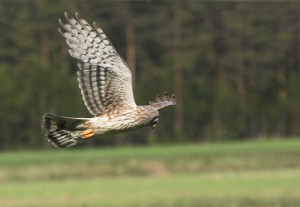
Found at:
(104, 78)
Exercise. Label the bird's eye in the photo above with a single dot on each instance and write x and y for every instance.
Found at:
(154, 123)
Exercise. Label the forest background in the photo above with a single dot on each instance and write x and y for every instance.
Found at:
(234, 66)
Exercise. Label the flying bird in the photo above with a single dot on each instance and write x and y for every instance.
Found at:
(106, 87)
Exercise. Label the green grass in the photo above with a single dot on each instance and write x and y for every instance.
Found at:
(263, 188)
(264, 173)
(159, 160)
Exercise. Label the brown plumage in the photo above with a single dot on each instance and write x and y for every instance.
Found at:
(105, 82)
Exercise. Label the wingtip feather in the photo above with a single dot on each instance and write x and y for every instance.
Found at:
(66, 14)
(77, 15)
(60, 31)
(60, 21)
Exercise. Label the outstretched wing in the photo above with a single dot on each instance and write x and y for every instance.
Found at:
(163, 100)
(103, 76)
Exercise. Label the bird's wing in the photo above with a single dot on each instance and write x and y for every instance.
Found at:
(163, 100)
(104, 77)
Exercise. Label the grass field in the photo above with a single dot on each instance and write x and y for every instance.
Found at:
(264, 173)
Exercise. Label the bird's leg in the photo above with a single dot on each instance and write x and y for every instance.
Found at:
(87, 133)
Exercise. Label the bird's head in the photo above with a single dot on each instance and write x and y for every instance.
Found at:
(152, 117)
(154, 121)
(161, 101)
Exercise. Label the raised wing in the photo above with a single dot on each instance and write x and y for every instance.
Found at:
(163, 100)
(104, 78)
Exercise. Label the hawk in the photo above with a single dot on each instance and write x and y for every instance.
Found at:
(106, 87)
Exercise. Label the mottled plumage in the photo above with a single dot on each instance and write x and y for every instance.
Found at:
(106, 87)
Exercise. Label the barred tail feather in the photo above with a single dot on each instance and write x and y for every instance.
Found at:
(64, 131)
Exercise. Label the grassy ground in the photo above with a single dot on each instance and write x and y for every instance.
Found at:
(238, 174)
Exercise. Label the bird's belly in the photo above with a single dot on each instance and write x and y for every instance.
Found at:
(105, 124)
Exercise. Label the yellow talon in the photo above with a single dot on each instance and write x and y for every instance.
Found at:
(87, 133)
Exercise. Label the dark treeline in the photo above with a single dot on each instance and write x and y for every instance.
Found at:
(234, 66)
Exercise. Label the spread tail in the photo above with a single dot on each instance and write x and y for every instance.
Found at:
(65, 131)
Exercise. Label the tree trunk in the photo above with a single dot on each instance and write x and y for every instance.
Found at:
(177, 53)
(45, 51)
(130, 50)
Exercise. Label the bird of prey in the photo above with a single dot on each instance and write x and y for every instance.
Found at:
(106, 87)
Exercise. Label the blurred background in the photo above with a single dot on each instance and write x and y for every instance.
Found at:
(231, 140)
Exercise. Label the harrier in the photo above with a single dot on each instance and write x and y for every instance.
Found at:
(106, 87)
